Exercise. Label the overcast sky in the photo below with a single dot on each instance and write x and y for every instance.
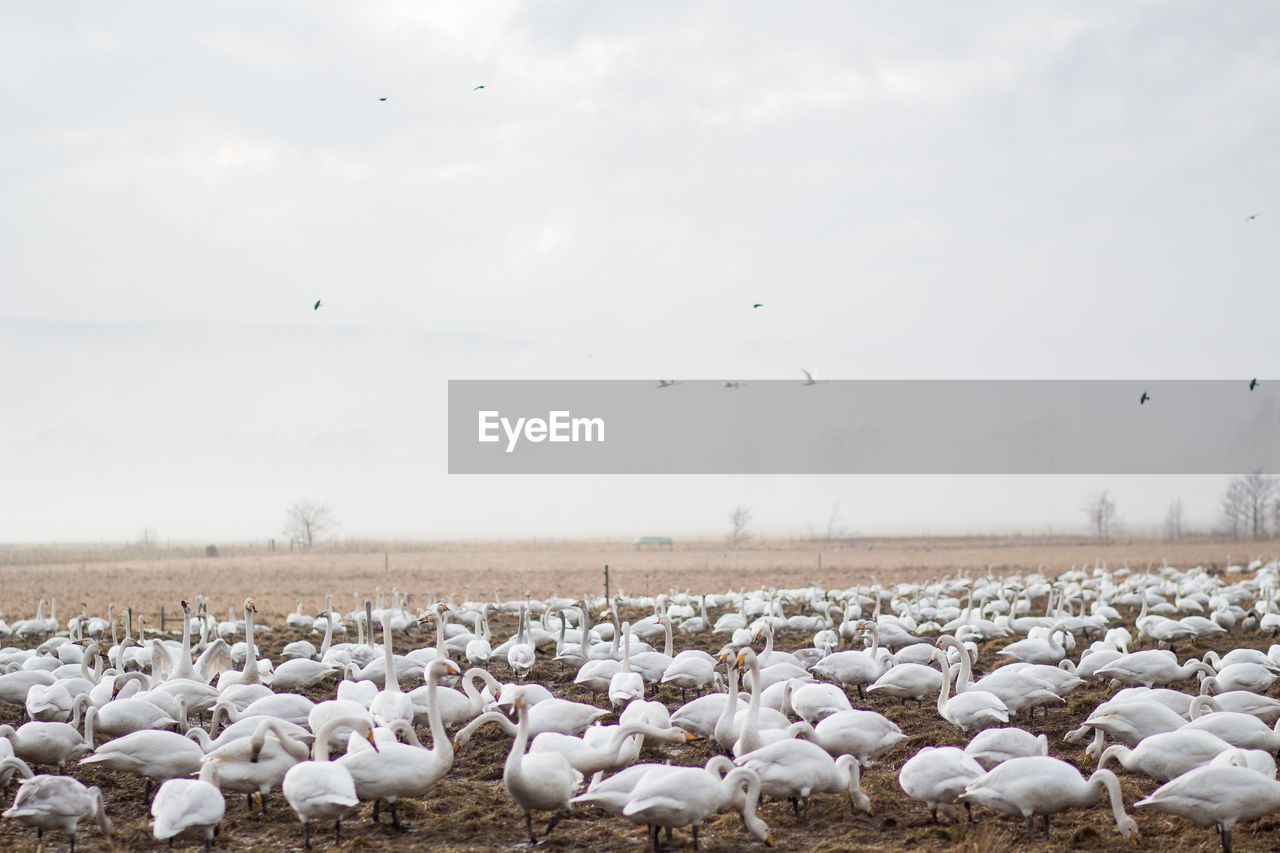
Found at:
(913, 190)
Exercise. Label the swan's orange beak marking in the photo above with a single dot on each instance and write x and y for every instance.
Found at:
(1133, 838)
(452, 668)
(741, 658)
(373, 743)
(768, 838)
(518, 703)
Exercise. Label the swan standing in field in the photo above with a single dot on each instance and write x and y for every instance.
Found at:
(405, 770)
(537, 782)
(47, 744)
(686, 796)
(1167, 755)
(320, 789)
(972, 709)
(156, 756)
(625, 685)
(391, 703)
(258, 763)
(1217, 795)
(797, 769)
(1041, 785)
(992, 746)
(56, 802)
(866, 735)
(189, 807)
(937, 776)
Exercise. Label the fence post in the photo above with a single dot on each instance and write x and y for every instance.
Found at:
(606, 581)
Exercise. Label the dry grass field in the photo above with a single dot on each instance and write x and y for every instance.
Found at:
(469, 810)
(148, 579)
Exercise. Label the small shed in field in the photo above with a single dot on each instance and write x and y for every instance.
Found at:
(654, 542)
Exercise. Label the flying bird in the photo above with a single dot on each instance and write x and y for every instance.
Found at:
(316, 307)
(481, 86)
(1248, 218)
(381, 99)
(667, 383)
(758, 305)
(808, 377)
(1144, 398)
(1253, 384)
(734, 385)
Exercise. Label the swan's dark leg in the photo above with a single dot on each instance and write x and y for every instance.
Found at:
(795, 807)
(555, 818)
(1031, 829)
(376, 805)
(528, 822)
(695, 836)
(262, 798)
(337, 832)
(306, 835)
(396, 823)
(1046, 827)
(248, 801)
(933, 813)
(1226, 838)
(968, 810)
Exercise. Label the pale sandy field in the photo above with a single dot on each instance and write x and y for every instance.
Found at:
(149, 579)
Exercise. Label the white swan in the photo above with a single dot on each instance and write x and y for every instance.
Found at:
(399, 770)
(1217, 795)
(866, 735)
(537, 782)
(1167, 755)
(686, 796)
(625, 685)
(156, 756)
(320, 789)
(58, 802)
(908, 681)
(391, 703)
(937, 776)
(258, 763)
(1040, 785)
(797, 769)
(992, 746)
(971, 709)
(189, 807)
(48, 744)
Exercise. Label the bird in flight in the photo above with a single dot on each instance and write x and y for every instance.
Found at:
(1144, 398)
(316, 307)
(758, 305)
(1253, 384)
(733, 385)
(667, 383)
(1248, 218)
(808, 377)
(381, 99)
(481, 86)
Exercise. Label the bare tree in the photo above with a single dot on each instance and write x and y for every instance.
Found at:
(147, 538)
(1247, 503)
(1101, 512)
(739, 524)
(835, 529)
(306, 521)
(1173, 522)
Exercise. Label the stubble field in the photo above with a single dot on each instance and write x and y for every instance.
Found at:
(469, 810)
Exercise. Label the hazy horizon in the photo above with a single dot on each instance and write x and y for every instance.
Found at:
(1003, 192)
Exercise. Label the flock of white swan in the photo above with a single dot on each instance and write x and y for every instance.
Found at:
(784, 723)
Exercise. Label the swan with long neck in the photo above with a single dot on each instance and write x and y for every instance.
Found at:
(1039, 785)
(257, 764)
(686, 796)
(405, 770)
(322, 790)
(391, 703)
(539, 781)
(1221, 795)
